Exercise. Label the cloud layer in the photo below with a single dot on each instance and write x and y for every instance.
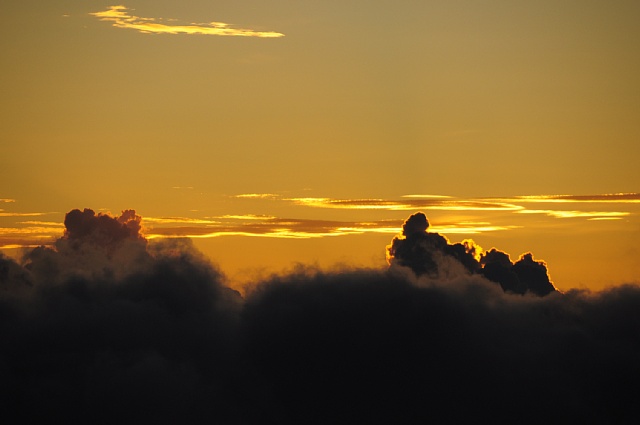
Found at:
(457, 216)
(105, 327)
(121, 18)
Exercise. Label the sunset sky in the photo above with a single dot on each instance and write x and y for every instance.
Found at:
(284, 132)
(320, 212)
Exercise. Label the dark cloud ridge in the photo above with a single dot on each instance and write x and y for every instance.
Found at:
(105, 327)
(428, 254)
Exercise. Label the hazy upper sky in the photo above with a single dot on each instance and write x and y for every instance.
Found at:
(179, 109)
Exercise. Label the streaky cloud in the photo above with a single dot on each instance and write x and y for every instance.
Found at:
(179, 220)
(287, 228)
(248, 217)
(293, 228)
(426, 196)
(17, 214)
(407, 205)
(614, 198)
(608, 215)
(42, 223)
(121, 18)
(257, 196)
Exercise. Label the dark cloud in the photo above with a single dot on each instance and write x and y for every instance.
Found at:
(431, 254)
(104, 329)
(367, 347)
(101, 229)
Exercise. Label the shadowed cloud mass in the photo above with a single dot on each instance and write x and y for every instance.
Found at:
(431, 254)
(105, 326)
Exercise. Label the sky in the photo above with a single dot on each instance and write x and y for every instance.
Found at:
(277, 133)
(296, 212)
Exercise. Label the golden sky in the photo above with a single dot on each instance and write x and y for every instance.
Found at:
(275, 132)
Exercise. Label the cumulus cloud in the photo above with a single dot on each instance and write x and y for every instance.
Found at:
(107, 327)
(431, 254)
(121, 17)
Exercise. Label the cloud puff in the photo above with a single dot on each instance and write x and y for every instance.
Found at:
(121, 18)
(430, 254)
(120, 329)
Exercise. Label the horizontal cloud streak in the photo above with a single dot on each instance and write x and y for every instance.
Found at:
(276, 228)
(610, 215)
(121, 18)
(615, 198)
(17, 214)
(180, 220)
(300, 228)
(410, 204)
(257, 196)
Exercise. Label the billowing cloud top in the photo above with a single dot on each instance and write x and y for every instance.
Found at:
(121, 18)
(430, 254)
(105, 327)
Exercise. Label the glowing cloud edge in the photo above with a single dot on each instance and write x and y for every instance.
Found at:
(120, 18)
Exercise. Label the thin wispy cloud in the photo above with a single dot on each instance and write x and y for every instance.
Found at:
(273, 227)
(289, 228)
(616, 198)
(248, 217)
(17, 214)
(179, 220)
(407, 205)
(42, 223)
(426, 196)
(609, 215)
(34, 235)
(515, 204)
(251, 224)
(120, 16)
(257, 196)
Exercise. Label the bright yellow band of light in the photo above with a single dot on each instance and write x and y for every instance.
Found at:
(121, 18)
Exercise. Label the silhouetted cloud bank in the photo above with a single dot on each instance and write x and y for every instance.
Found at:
(431, 254)
(105, 327)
